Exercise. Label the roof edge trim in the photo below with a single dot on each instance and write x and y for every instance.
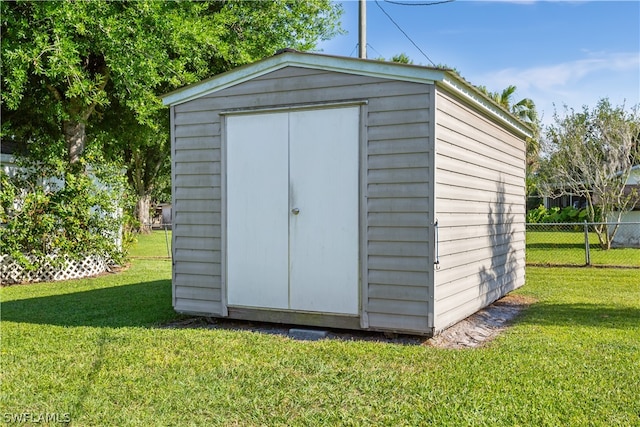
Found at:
(371, 68)
(502, 115)
(303, 60)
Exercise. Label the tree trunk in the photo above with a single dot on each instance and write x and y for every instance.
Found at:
(143, 208)
(75, 136)
(603, 236)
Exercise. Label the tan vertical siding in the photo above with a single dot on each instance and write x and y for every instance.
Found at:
(480, 210)
(399, 190)
(196, 212)
(399, 163)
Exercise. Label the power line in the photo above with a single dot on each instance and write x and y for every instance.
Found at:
(374, 49)
(431, 3)
(368, 45)
(354, 49)
(405, 34)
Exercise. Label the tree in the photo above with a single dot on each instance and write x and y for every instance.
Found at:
(67, 63)
(525, 109)
(144, 151)
(591, 153)
(401, 58)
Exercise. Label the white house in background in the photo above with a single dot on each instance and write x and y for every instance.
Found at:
(8, 165)
(7, 162)
(628, 234)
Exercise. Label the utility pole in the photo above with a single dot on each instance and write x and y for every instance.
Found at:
(362, 30)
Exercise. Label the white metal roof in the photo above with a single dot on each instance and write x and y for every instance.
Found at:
(365, 67)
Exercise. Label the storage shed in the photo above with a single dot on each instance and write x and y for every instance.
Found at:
(337, 192)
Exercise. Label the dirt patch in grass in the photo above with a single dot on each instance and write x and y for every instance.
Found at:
(473, 331)
(483, 326)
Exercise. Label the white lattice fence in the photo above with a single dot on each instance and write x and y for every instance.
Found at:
(11, 272)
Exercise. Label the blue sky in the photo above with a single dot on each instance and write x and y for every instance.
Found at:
(555, 52)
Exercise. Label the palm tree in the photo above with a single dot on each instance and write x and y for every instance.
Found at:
(503, 98)
(524, 109)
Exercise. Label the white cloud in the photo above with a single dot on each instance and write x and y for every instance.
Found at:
(553, 77)
(575, 83)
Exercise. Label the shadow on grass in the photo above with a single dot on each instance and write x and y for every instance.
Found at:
(139, 304)
(577, 246)
(585, 315)
(554, 245)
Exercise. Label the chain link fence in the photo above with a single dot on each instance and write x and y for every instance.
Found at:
(548, 244)
(579, 244)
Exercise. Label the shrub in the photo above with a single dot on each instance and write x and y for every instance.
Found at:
(544, 215)
(45, 209)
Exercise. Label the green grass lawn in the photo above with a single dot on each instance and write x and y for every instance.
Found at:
(156, 244)
(568, 248)
(93, 349)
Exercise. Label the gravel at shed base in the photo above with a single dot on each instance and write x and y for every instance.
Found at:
(474, 331)
(483, 326)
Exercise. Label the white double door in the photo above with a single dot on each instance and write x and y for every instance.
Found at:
(292, 210)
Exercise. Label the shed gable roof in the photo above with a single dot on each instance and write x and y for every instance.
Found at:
(365, 67)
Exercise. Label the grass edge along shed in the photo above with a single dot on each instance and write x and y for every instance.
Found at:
(338, 192)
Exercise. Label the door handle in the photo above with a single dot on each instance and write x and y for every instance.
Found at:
(295, 211)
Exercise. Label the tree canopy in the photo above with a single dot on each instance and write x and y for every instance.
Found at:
(75, 73)
(64, 61)
(591, 153)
